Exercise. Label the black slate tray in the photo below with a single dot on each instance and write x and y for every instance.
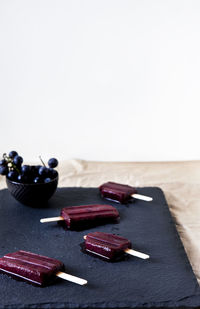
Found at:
(165, 280)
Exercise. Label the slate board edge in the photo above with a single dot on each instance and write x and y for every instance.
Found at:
(173, 223)
(104, 305)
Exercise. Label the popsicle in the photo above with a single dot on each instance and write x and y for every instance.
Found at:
(110, 246)
(121, 193)
(34, 268)
(76, 217)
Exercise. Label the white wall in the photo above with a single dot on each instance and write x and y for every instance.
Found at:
(100, 80)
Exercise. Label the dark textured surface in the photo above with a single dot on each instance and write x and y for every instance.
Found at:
(165, 280)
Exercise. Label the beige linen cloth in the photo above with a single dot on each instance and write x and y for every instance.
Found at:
(180, 182)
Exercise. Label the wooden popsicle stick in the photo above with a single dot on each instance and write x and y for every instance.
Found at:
(142, 197)
(132, 252)
(71, 278)
(137, 253)
(51, 219)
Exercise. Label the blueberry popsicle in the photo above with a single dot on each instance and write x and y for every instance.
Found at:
(110, 246)
(34, 268)
(79, 216)
(121, 193)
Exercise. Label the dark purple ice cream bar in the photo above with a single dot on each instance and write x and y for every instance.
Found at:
(85, 216)
(120, 193)
(78, 216)
(34, 268)
(109, 246)
(31, 267)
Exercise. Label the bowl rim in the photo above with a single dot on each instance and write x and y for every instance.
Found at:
(31, 184)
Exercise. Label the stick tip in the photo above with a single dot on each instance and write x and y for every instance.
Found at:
(84, 282)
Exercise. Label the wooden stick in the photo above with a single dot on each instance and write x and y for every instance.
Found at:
(71, 278)
(137, 253)
(132, 252)
(142, 197)
(51, 219)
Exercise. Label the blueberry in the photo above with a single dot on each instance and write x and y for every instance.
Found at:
(36, 169)
(53, 162)
(52, 173)
(19, 178)
(43, 171)
(12, 175)
(13, 154)
(3, 162)
(47, 180)
(3, 170)
(37, 180)
(18, 160)
(33, 171)
(22, 178)
(25, 169)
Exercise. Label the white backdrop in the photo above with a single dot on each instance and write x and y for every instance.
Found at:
(100, 80)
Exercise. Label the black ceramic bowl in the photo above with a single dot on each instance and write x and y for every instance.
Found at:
(32, 194)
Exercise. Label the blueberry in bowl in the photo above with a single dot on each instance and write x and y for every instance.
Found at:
(31, 185)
